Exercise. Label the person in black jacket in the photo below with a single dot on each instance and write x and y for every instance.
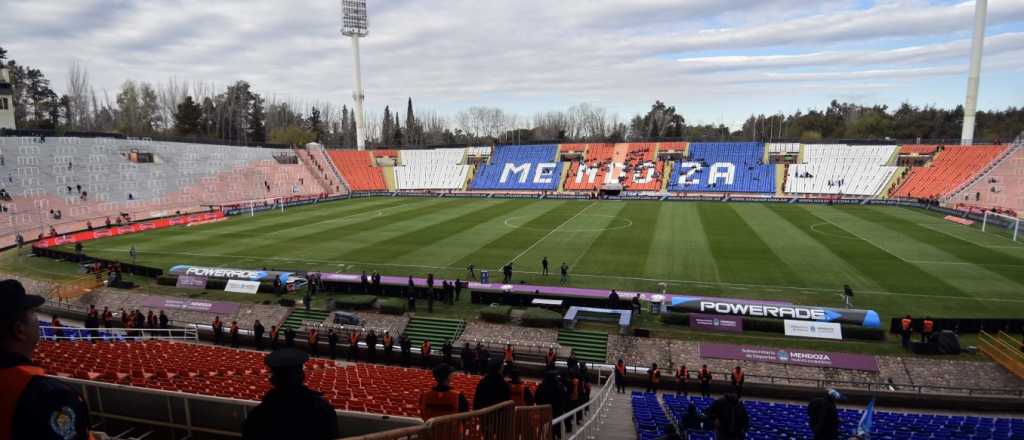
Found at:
(823, 416)
(405, 345)
(550, 392)
(730, 417)
(492, 389)
(257, 333)
(371, 343)
(289, 337)
(290, 410)
(332, 343)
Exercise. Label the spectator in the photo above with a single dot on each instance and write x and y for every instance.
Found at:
(234, 334)
(353, 345)
(620, 376)
(446, 352)
(289, 337)
(468, 359)
(483, 357)
(729, 417)
(290, 410)
(425, 353)
(389, 345)
(151, 320)
(613, 300)
(518, 391)
(405, 345)
(550, 358)
(442, 400)
(823, 415)
(332, 343)
(313, 339)
(108, 318)
(636, 304)
(371, 346)
(164, 320)
(218, 330)
(492, 388)
(550, 392)
(693, 419)
(737, 381)
(257, 334)
(274, 334)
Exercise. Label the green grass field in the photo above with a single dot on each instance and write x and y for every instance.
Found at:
(898, 260)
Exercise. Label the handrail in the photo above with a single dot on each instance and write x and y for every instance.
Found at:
(104, 334)
(502, 421)
(587, 426)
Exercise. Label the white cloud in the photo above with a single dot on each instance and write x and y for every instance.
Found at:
(526, 55)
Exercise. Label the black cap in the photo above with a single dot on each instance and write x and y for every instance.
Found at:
(441, 371)
(286, 358)
(14, 300)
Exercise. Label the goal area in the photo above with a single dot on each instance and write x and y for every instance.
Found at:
(1001, 221)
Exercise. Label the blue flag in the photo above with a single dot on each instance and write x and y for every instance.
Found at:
(864, 428)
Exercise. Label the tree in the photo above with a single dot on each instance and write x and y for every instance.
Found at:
(188, 118)
(257, 120)
(660, 122)
(386, 128)
(315, 124)
(293, 135)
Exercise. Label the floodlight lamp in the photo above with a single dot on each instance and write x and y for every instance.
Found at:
(353, 18)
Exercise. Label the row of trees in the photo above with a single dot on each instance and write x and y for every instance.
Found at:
(238, 114)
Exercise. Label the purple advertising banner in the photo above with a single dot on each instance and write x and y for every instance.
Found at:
(192, 305)
(191, 282)
(844, 361)
(716, 323)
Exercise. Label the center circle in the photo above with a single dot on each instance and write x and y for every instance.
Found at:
(617, 223)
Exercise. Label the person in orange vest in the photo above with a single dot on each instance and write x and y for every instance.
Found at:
(313, 338)
(927, 327)
(682, 374)
(32, 405)
(274, 333)
(509, 354)
(425, 353)
(233, 331)
(705, 381)
(653, 378)
(218, 330)
(620, 376)
(353, 345)
(905, 331)
(389, 346)
(518, 391)
(550, 358)
(737, 381)
(442, 400)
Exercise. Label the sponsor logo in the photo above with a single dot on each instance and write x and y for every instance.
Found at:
(783, 356)
(225, 273)
(764, 310)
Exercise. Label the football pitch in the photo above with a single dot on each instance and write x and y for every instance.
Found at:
(897, 260)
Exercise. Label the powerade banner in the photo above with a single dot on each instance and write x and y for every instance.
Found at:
(689, 304)
(114, 231)
(231, 274)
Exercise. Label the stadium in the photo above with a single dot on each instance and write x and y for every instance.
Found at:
(692, 271)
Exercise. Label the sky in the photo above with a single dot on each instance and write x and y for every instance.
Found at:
(716, 61)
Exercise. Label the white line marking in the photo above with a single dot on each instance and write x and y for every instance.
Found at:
(550, 233)
(986, 234)
(865, 240)
(814, 290)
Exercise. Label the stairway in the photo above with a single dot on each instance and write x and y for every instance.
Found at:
(437, 330)
(588, 346)
(985, 172)
(295, 318)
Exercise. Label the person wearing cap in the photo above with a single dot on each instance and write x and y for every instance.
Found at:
(290, 409)
(442, 400)
(492, 389)
(823, 415)
(32, 406)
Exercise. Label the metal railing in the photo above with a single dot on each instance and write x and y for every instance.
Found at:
(1004, 350)
(62, 333)
(596, 406)
(503, 421)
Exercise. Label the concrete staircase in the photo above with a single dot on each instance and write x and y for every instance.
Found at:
(437, 330)
(297, 316)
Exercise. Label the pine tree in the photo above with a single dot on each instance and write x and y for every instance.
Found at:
(187, 120)
(315, 124)
(412, 136)
(386, 128)
(257, 120)
(343, 135)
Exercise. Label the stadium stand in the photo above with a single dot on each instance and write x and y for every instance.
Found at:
(432, 169)
(917, 149)
(592, 172)
(634, 166)
(90, 179)
(240, 374)
(774, 420)
(478, 151)
(724, 167)
(858, 170)
(520, 167)
(782, 148)
(951, 167)
(1001, 188)
(648, 416)
(358, 170)
(393, 154)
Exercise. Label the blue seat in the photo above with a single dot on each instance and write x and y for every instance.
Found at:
(520, 167)
(735, 167)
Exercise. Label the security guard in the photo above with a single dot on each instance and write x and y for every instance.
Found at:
(32, 406)
(905, 331)
(290, 410)
(442, 400)
(927, 327)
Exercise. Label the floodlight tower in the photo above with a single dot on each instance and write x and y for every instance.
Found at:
(353, 24)
(977, 44)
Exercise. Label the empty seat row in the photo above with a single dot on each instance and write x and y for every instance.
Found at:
(432, 169)
(723, 167)
(520, 167)
(951, 167)
(840, 169)
(358, 170)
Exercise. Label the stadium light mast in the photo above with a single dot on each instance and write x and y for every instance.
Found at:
(353, 24)
(977, 44)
